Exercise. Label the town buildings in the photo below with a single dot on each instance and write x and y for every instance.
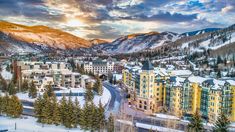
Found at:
(178, 92)
(102, 67)
(58, 74)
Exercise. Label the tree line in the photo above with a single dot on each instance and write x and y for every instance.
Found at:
(65, 112)
(12, 88)
(10, 106)
(196, 124)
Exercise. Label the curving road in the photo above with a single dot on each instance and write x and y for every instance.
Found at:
(116, 98)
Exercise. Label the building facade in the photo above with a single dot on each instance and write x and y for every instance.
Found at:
(152, 90)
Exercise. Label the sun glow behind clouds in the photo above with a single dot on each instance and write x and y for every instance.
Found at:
(75, 23)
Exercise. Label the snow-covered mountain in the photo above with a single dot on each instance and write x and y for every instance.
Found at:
(214, 40)
(138, 42)
(16, 38)
(206, 30)
(98, 41)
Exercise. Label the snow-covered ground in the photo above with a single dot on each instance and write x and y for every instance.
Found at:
(158, 128)
(29, 124)
(5, 74)
(104, 98)
(165, 116)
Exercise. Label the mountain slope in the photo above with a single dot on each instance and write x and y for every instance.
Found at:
(98, 41)
(202, 31)
(38, 36)
(138, 42)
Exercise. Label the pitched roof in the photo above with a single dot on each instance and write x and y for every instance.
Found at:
(147, 65)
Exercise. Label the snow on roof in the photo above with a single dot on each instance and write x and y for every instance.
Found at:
(179, 81)
(181, 72)
(160, 71)
(197, 79)
(231, 82)
(85, 76)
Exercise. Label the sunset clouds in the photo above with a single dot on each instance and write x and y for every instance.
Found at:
(109, 19)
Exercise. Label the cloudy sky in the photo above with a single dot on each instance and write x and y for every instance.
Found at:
(109, 19)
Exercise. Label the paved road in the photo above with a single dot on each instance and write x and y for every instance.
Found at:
(116, 97)
(27, 111)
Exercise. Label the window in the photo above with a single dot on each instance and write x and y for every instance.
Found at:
(145, 107)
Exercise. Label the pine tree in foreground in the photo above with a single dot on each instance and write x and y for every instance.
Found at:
(63, 108)
(56, 112)
(32, 90)
(49, 90)
(77, 111)
(195, 124)
(25, 86)
(11, 88)
(46, 110)
(38, 105)
(89, 94)
(111, 123)
(14, 108)
(98, 86)
(100, 116)
(221, 124)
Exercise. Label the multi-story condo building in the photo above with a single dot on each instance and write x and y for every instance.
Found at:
(43, 73)
(154, 90)
(100, 66)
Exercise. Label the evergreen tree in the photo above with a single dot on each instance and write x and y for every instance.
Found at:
(1, 105)
(38, 106)
(221, 124)
(82, 118)
(32, 90)
(25, 86)
(219, 74)
(89, 94)
(49, 90)
(219, 60)
(100, 116)
(195, 124)
(63, 108)
(111, 79)
(15, 107)
(98, 86)
(5, 103)
(8, 68)
(46, 110)
(87, 116)
(56, 112)
(111, 123)
(72, 63)
(114, 80)
(70, 118)
(11, 88)
(3, 84)
(77, 111)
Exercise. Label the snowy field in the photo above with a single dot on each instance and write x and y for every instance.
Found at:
(29, 124)
(104, 98)
(5, 74)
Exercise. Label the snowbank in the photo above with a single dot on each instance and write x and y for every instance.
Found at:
(158, 128)
(80, 91)
(29, 124)
(165, 116)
